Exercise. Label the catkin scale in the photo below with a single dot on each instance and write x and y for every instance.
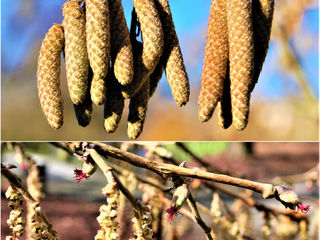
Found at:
(172, 56)
(98, 44)
(121, 49)
(241, 57)
(48, 76)
(215, 60)
(137, 111)
(153, 41)
(77, 63)
(113, 105)
(262, 14)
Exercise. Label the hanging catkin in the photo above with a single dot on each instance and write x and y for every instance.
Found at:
(172, 56)
(153, 41)
(215, 60)
(137, 111)
(262, 14)
(113, 105)
(77, 63)
(98, 43)
(224, 106)
(241, 57)
(48, 76)
(83, 111)
(121, 49)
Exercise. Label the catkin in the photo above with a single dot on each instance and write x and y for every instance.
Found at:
(98, 43)
(153, 41)
(48, 76)
(113, 105)
(172, 56)
(83, 111)
(121, 49)
(137, 111)
(262, 14)
(77, 63)
(224, 106)
(215, 60)
(155, 77)
(241, 56)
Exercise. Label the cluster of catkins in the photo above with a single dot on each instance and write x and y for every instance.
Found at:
(237, 43)
(105, 64)
(15, 220)
(109, 213)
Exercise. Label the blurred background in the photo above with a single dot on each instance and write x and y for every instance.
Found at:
(72, 208)
(284, 104)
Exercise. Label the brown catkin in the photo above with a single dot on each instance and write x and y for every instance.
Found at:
(215, 60)
(137, 111)
(113, 105)
(262, 14)
(98, 43)
(241, 57)
(48, 76)
(121, 49)
(224, 106)
(83, 111)
(153, 41)
(77, 63)
(172, 56)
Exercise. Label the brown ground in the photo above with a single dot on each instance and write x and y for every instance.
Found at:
(74, 219)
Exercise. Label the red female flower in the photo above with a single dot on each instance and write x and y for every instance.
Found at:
(302, 208)
(172, 211)
(80, 175)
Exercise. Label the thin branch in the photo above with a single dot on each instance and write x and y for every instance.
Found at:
(267, 190)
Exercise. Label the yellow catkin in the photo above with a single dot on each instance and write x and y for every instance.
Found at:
(137, 111)
(113, 105)
(153, 41)
(172, 56)
(215, 60)
(98, 43)
(83, 111)
(262, 14)
(48, 76)
(77, 63)
(121, 49)
(224, 106)
(241, 57)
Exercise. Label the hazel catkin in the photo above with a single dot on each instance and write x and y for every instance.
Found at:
(172, 56)
(215, 60)
(241, 57)
(153, 41)
(121, 49)
(48, 76)
(262, 14)
(98, 43)
(77, 63)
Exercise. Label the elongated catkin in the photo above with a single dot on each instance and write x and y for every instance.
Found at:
(83, 111)
(224, 106)
(48, 76)
(172, 56)
(215, 60)
(98, 43)
(262, 14)
(241, 57)
(121, 49)
(77, 63)
(153, 41)
(137, 111)
(113, 105)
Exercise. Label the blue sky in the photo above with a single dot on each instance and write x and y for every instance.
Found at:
(19, 34)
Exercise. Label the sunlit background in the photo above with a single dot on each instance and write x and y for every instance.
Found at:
(284, 103)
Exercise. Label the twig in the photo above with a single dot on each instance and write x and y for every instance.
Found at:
(267, 190)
